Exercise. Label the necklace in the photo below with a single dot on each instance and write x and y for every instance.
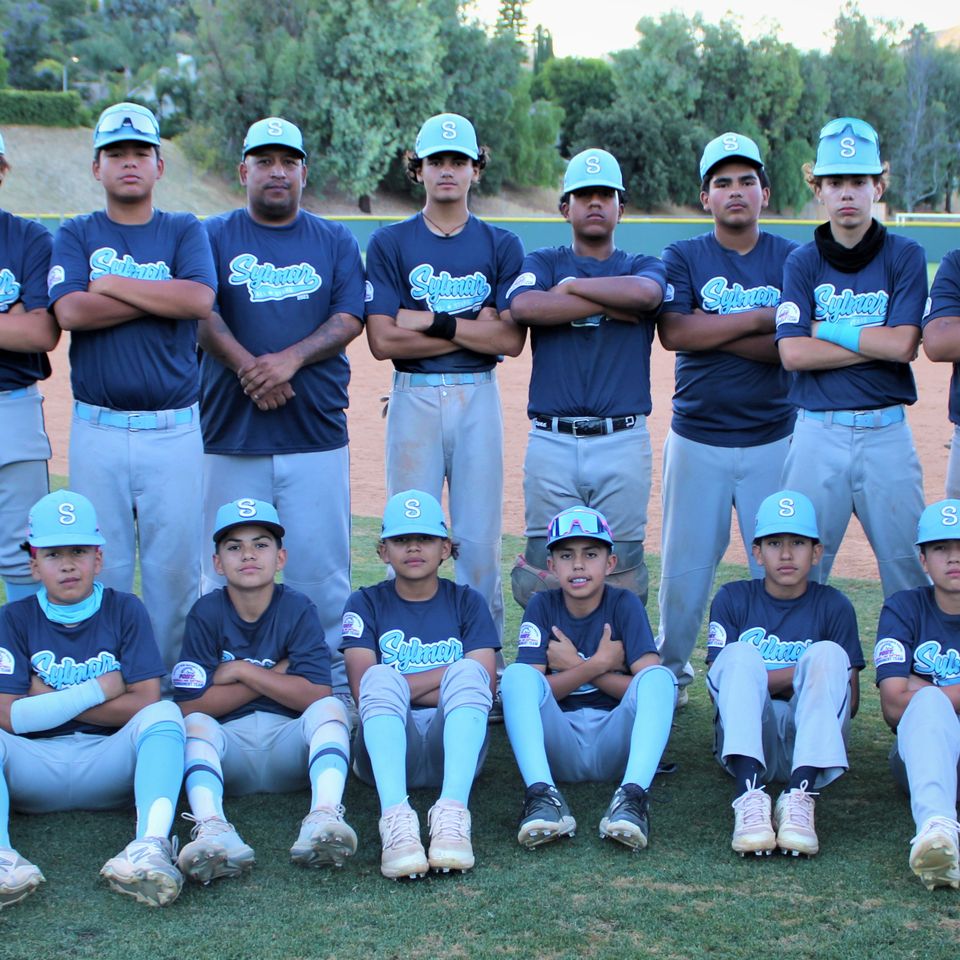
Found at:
(446, 233)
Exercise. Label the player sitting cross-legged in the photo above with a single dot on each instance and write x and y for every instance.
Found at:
(587, 698)
(82, 726)
(254, 685)
(784, 655)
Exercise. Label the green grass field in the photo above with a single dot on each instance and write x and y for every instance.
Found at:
(686, 896)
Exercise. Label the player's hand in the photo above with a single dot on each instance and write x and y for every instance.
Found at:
(609, 654)
(275, 398)
(561, 653)
(229, 672)
(417, 320)
(112, 684)
(281, 666)
(265, 372)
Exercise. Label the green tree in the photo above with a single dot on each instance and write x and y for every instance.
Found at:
(575, 85)
(542, 47)
(512, 18)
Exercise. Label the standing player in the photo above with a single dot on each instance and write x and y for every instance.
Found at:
(27, 331)
(731, 417)
(849, 325)
(129, 283)
(785, 659)
(420, 653)
(254, 685)
(274, 373)
(918, 671)
(82, 726)
(591, 310)
(437, 308)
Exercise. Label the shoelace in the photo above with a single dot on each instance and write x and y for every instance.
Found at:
(801, 810)
(944, 823)
(208, 825)
(401, 828)
(752, 808)
(325, 813)
(449, 821)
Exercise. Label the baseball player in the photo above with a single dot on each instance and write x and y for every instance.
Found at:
(591, 309)
(849, 325)
(587, 698)
(436, 307)
(731, 417)
(129, 283)
(420, 654)
(254, 686)
(785, 656)
(82, 726)
(27, 332)
(274, 374)
(917, 657)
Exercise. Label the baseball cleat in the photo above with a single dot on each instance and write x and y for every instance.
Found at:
(753, 828)
(935, 854)
(403, 854)
(325, 838)
(627, 820)
(450, 847)
(545, 816)
(793, 819)
(18, 877)
(145, 870)
(215, 850)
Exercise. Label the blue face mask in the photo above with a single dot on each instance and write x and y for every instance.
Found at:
(71, 613)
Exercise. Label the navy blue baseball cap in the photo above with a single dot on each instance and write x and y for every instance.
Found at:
(126, 121)
(729, 146)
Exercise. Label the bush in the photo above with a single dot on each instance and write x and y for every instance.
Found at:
(41, 107)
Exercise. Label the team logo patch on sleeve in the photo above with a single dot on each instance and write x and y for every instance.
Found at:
(352, 625)
(716, 635)
(889, 650)
(529, 635)
(6, 662)
(788, 312)
(524, 280)
(367, 292)
(669, 294)
(187, 675)
(55, 275)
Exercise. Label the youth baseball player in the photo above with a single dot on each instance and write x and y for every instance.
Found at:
(917, 657)
(274, 374)
(129, 283)
(420, 654)
(436, 307)
(848, 326)
(785, 656)
(591, 309)
(254, 686)
(731, 417)
(82, 726)
(27, 332)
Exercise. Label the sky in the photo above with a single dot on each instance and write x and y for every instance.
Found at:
(592, 28)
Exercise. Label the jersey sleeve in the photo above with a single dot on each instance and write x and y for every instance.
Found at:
(534, 632)
(898, 633)
(139, 654)
(348, 282)
(194, 258)
(536, 273)
(199, 655)
(476, 625)
(509, 264)
(307, 648)
(679, 297)
(69, 269)
(650, 268)
(631, 627)
(384, 283)
(14, 657)
(945, 292)
(359, 626)
(795, 313)
(38, 244)
(723, 627)
(844, 630)
(908, 298)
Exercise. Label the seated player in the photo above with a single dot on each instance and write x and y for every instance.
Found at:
(254, 687)
(82, 726)
(917, 657)
(785, 656)
(587, 698)
(420, 654)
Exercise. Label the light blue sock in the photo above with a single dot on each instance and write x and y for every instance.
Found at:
(656, 696)
(385, 738)
(156, 783)
(464, 730)
(522, 691)
(17, 591)
(4, 813)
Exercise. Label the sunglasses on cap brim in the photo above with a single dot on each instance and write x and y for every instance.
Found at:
(138, 121)
(859, 128)
(588, 524)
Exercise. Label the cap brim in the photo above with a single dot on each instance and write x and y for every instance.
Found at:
(274, 528)
(248, 149)
(125, 136)
(65, 540)
(404, 529)
(447, 148)
(840, 170)
(726, 158)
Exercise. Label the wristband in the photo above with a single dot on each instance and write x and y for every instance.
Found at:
(444, 326)
(842, 334)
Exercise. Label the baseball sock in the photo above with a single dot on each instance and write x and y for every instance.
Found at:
(385, 737)
(522, 692)
(656, 697)
(799, 775)
(464, 730)
(746, 772)
(203, 779)
(4, 813)
(156, 783)
(327, 768)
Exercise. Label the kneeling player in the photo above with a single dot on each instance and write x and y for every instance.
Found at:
(784, 654)
(80, 672)
(254, 685)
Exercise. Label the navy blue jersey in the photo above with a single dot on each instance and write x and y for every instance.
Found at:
(945, 302)
(24, 261)
(145, 364)
(410, 267)
(595, 367)
(628, 624)
(890, 291)
(782, 630)
(289, 629)
(117, 637)
(722, 399)
(914, 636)
(277, 285)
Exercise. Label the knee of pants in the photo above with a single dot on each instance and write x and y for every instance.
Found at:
(741, 658)
(520, 680)
(654, 681)
(199, 726)
(325, 710)
(466, 683)
(163, 711)
(928, 708)
(383, 691)
(825, 657)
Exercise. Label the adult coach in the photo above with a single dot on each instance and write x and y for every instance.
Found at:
(274, 375)
(731, 417)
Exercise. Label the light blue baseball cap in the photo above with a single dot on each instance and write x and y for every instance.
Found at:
(447, 132)
(939, 521)
(579, 522)
(413, 511)
(786, 512)
(729, 146)
(126, 121)
(848, 146)
(592, 168)
(274, 132)
(238, 513)
(61, 519)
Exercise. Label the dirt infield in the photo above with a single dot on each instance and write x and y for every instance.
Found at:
(371, 381)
